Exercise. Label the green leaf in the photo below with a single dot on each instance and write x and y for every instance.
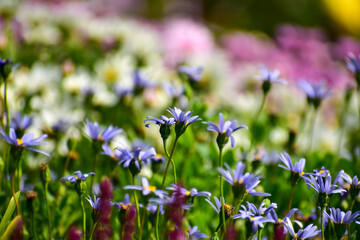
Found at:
(8, 213)
(11, 228)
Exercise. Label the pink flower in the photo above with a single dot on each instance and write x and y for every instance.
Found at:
(246, 47)
(183, 38)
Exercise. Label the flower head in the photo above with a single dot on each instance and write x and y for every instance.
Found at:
(315, 92)
(147, 189)
(165, 124)
(297, 170)
(20, 123)
(195, 234)
(308, 232)
(225, 129)
(106, 136)
(189, 193)
(182, 120)
(135, 159)
(324, 187)
(5, 68)
(241, 183)
(124, 205)
(341, 220)
(272, 214)
(353, 63)
(79, 181)
(95, 206)
(218, 207)
(26, 142)
(78, 177)
(268, 77)
(193, 73)
(115, 155)
(354, 184)
(257, 216)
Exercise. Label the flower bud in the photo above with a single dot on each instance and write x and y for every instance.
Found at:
(45, 175)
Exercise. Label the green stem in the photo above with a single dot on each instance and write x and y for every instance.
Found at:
(255, 121)
(322, 223)
(6, 106)
(359, 104)
(312, 132)
(13, 193)
(142, 224)
(32, 216)
(93, 230)
(259, 234)
(93, 170)
(48, 209)
(222, 192)
(162, 186)
(342, 124)
(67, 161)
(291, 196)
(84, 215)
(172, 161)
(137, 204)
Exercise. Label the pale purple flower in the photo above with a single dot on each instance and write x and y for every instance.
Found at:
(78, 177)
(194, 73)
(106, 136)
(195, 234)
(237, 177)
(26, 142)
(225, 128)
(308, 232)
(146, 188)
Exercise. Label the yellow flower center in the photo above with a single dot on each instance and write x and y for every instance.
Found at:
(321, 171)
(110, 75)
(19, 141)
(100, 137)
(228, 209)
(187, 122)
(302, 173)
(223, 131)
(280, 220)
(238, 182)
(150, 188)
(187, 193)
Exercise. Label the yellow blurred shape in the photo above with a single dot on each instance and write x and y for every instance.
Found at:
(346, 13)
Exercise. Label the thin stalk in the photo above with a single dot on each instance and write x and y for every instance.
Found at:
(84, 215)
(255, 121)
(222, 192)
(162, 186)
(322, 223)
(48, 210)
(359, 104)
(93, 170)
(32, 216)
(137, 204)
(291, 196)
(259, 234)
(172, 161)
(312, 132)
(6, 106)
(13, 193)
(142, 223)
(93, 230)
(342, 124)
(67, 161)
(348, 226)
